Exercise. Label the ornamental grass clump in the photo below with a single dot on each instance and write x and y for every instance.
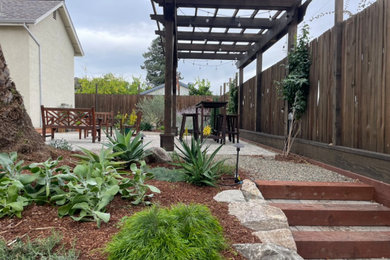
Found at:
(199, 167)
(182, 232)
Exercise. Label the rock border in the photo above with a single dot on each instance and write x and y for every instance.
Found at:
(268, 223)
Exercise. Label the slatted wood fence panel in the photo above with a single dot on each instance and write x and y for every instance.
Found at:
(317, 121)
(272, 106)
(366, 84)
(365, 91)
(126, 103)
(248, 106)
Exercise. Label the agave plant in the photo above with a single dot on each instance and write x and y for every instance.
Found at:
(199, 167)
(130, 149)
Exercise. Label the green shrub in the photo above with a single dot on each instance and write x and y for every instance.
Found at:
(152, 110)
(136, 188)
(61, 144)
(127, 148)
(165, 174)
(12, 199)
(47, 248)
(82, 194)
(145, 126)
(105, 160)
(182, 232)
(201, 229)
(196, 164)
(226, 169)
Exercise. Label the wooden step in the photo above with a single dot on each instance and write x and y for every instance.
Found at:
(315, 190)
(342, 244)
(335, 214)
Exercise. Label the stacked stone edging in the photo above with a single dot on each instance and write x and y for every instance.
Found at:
(269, 223)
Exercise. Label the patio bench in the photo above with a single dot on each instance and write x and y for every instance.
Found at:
(106, 120)
(70, 118)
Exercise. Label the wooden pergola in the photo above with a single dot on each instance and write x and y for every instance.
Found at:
(199, 36)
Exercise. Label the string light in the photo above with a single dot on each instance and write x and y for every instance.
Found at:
(209, 65)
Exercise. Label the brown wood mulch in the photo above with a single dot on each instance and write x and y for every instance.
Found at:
(40, 220)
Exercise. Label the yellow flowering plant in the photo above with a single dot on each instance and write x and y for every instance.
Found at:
(133, 117)
(207, 130)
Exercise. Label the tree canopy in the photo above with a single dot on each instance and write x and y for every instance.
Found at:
(154, 64)
(201, 87)
(109, 84)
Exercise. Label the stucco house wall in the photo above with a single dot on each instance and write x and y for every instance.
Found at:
(57, 65)
(50, 24)
(13, 41)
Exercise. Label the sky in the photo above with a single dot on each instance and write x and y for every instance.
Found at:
(115, 34)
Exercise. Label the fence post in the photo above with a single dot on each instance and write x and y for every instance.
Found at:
(337, 88)
(259, 66)
(240, 94)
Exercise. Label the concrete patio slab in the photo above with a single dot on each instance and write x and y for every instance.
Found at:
(153, 138)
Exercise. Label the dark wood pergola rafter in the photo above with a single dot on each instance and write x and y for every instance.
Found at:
(218, 35)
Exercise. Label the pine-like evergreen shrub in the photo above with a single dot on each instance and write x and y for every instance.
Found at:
(182, 232)
(201, 229)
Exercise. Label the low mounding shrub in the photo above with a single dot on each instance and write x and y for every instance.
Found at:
(47, 248)
(165, 174)
(61, 144)
(145, 126)
(152, 110)
(182, 232)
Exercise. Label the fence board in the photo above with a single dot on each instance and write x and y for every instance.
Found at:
(126, 103)
(365, 91)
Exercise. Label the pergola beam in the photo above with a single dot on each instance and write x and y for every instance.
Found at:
(235, 4)
(212, 47)
(220, 22)
(201, 36)
(274, 34)
(208, 56)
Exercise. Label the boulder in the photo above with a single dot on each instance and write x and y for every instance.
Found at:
(282, 237)
(266, 252)
(257, 215)
(230, 196)
(157, 155)
(250, 191)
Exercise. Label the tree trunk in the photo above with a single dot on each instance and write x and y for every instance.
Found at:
(16, 130)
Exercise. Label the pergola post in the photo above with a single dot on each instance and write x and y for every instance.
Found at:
(336, 94)
(240, 94)
(174, 90)
(167, 139)
(259, 66)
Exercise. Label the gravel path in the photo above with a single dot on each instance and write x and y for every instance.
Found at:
(269, 169)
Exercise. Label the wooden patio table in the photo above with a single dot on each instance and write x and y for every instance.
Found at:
(212, 105)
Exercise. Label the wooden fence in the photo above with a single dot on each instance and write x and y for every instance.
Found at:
(126, 103)
(365, 90)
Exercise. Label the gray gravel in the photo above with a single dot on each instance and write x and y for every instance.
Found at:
(269, 169)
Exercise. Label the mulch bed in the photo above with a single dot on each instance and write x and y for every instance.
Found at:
(40, 220)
